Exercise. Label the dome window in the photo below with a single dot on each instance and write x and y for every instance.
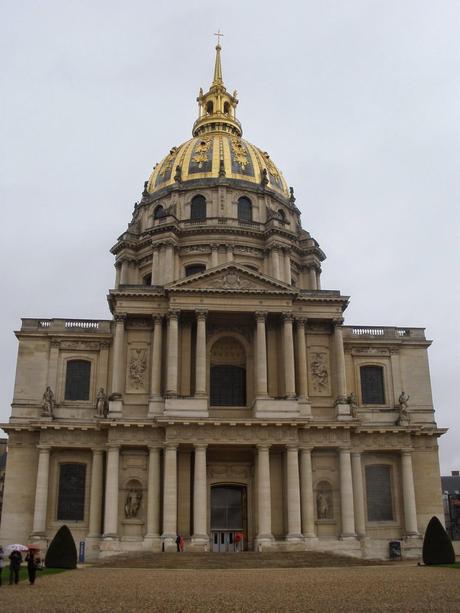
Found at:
(209, 107)
(226, 108)
(194, 269)
(159, 212)
(244, 209)
(198, 208)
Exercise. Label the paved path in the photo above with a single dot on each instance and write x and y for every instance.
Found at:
(402, 589)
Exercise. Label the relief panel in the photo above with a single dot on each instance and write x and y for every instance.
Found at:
(319, 371)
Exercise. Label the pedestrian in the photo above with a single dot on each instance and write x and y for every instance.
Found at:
(2, 557)
(32, 564)
(181, 544)
(178, 543)
(15, 564)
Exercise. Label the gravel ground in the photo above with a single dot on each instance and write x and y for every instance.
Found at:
(403, 589)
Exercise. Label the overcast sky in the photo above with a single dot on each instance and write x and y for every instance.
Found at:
(356, 101)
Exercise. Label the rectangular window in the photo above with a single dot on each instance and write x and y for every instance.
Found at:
(77, 380)
(71, 497)
(372, 388)
(378, 492)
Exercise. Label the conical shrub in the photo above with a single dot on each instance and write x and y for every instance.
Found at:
(62, 552)
(437, 546)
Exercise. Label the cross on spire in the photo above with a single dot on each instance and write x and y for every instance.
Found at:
(218, 34)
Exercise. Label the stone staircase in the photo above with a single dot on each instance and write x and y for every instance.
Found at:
(297, 559)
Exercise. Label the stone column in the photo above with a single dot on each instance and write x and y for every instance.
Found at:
(306, 493)
(95, 501)
(118, 350)
(155, 373)
(343, 409)
(275, 262)
(261, 355)
(229, 253)
(155, 266)
(200, 358)
(318, 278)
(410, 510)
(200, 502)
(111, 492)
(346, 495)
(302, 387)
(293, 495)
(41, 492)
(153, 497)
(312, 277)
(289, 365)
(358, 494)
(124, 272)
(287, 266)
(170, 498)
(117, 274)
(264, 536)
(169, 263)
(173, 353)
(214, 255)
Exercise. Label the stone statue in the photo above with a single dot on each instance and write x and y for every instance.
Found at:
(264, 179)
(221, 169)
(178, 175)
(291, 195)
(49, 403)
(353, 406)
(102, 404)
(322, 505)
(133, 503)
(403, 419)
(145, 193)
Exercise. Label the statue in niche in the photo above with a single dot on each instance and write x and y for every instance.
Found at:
(353, 406)
(102, 404)
(322, 505)
(403, 419)
(49, 403)
(133, 503)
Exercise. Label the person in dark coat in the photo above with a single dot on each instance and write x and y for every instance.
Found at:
(32, 563)
(15, 565)
(2, 556)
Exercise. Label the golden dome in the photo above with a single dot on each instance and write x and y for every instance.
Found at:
(217, 150)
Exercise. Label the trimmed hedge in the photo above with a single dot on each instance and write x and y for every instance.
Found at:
(437, 546)
(62, 552)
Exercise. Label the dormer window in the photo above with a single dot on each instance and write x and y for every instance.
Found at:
(244, 209)
(198, 208)
(158, 212)
(226, 108)
(209, 107)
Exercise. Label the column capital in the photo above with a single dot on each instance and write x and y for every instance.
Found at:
(44, 448)
(263, 446)
(337, 322)
(292, 447)
(171, 446)
(157, 318)
(306, 448)
(214, 247)
(113, 446)
(261, 315)
(155, 447)
(201, 313)
(356, 452)
(120, 318)
(202, 446)
(97, 450)
(287, 316)
(406, 451)
(345, 449)
(173, 314)
(301, 321)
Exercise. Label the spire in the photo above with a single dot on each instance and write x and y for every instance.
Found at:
(218, 68)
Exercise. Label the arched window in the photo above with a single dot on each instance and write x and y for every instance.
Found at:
(198, 208)
(71, 493)
(372, 385)
(244, 209)
(77, 380)
(281, 215)
(194, 269)
(228, 373)
(158, 212)
(378, 492)
(147, 280)
(324, 502)
(226, 108)
(209, 107)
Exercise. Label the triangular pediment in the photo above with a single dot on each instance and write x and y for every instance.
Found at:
(231, 278)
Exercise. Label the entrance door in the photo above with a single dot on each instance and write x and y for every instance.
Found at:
(228, 517)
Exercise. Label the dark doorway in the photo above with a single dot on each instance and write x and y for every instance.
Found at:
(228, 386)
(228, 518)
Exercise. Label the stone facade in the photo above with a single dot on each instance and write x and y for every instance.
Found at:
(233, 380)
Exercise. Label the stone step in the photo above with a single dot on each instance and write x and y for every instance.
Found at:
(301, 559)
